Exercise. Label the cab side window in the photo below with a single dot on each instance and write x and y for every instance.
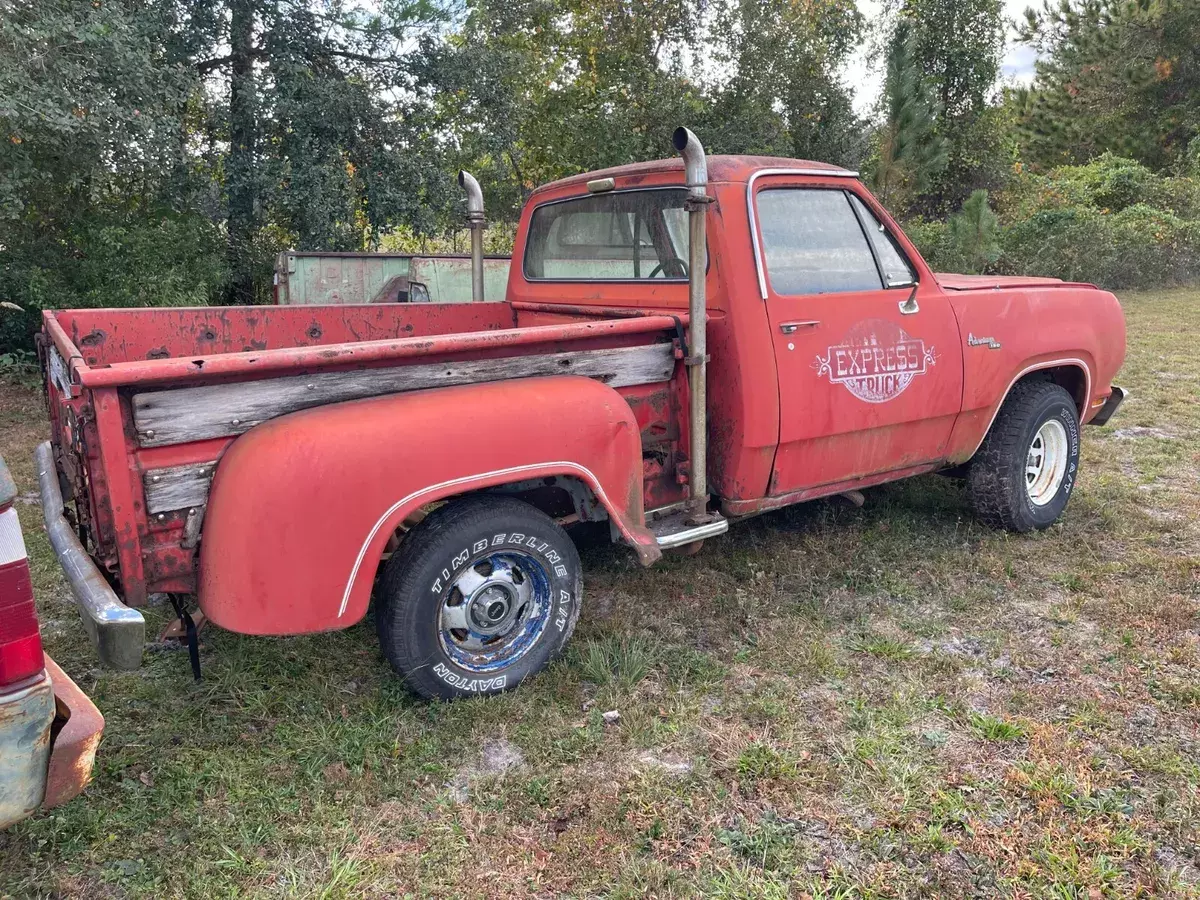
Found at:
(896, 270)
(813, 243)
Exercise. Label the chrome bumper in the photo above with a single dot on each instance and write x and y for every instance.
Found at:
(118, 632)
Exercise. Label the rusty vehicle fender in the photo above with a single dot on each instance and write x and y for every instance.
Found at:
(302, 507)
(1074, 333)
(26, 717)
(49, 732)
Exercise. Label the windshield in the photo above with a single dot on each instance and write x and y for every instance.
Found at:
(620, 236)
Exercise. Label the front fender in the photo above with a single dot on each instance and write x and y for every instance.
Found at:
(1008, 334)
(302, 507)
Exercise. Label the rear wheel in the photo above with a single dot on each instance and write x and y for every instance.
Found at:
(482, 594)
(1024, 472)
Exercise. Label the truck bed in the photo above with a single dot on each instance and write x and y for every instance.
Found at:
(144, 402)
(118, 347)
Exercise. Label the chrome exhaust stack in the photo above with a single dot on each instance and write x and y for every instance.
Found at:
(476, 223)
(695, 167)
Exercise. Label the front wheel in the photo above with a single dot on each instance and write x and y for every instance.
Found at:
(481, 595)
(1025, 470)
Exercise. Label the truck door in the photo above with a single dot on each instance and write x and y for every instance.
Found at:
(869, 362)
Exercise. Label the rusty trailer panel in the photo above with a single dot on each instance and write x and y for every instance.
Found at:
(49, 733)
(321, 279)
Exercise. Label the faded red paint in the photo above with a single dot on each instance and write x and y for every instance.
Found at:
(790, 417)
(257, 571)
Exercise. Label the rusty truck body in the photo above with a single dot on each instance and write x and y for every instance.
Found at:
(682, 344)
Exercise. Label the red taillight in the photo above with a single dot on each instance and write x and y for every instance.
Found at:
(20, 637)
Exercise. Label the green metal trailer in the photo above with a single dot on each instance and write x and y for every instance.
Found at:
(343, 278)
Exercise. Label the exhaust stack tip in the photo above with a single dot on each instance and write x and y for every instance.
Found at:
(469, 184)
(695, 164)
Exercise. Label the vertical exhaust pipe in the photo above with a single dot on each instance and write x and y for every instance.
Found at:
(695, 167)
(476, 223)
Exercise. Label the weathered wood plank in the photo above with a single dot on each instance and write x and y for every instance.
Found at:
(223, 410)
(177, 487)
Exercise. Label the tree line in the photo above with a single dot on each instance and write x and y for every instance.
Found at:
(162, 151)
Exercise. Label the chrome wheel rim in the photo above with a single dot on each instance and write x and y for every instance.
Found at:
(494, 611)
(1046, 462)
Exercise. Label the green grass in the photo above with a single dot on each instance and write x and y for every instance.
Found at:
(890, 701)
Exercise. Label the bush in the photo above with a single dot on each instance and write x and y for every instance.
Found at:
(937, 245)
(1111, 222)
(1107, 182)
(1136, 247)
(974, 230)
(108, 259)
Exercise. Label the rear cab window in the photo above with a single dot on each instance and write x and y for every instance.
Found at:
(616, 236)
(824, 241)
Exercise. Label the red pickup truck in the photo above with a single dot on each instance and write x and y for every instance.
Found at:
(684, 343)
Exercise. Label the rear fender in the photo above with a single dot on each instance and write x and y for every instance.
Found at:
(302, 507)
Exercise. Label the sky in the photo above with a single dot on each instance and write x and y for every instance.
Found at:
(867, 78)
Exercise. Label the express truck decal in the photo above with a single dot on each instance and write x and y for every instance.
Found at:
(876, 361)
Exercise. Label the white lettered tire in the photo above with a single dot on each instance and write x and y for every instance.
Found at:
(1025, 470)
(484, 593)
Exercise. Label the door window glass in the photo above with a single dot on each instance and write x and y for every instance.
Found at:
(896, 270)
(813, 243)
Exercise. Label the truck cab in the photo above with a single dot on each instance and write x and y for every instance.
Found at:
(839, 359)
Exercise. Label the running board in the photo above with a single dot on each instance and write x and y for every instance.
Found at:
(673, 530)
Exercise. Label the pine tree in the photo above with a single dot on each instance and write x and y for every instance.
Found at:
(1113, 75)
(909, 151)
(975, 231)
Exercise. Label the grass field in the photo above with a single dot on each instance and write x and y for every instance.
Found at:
(828, 702)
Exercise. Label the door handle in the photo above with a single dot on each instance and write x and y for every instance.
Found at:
(790, 327)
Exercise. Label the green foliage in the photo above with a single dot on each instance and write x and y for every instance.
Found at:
(909, 152)
(163, 152)
(957, 45)
(1136, 247)
(784, 97)
(974, 230)
(936, 244)
(93, 180)
(535, 91)
(991, 728)
(1108, 182)
(760, 761)
(769, 843)
(1112, 222)
(1113, 75)
(619, 660)
(19, 367)
(109, 258)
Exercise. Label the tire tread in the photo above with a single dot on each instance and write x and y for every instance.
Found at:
(997, 470)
